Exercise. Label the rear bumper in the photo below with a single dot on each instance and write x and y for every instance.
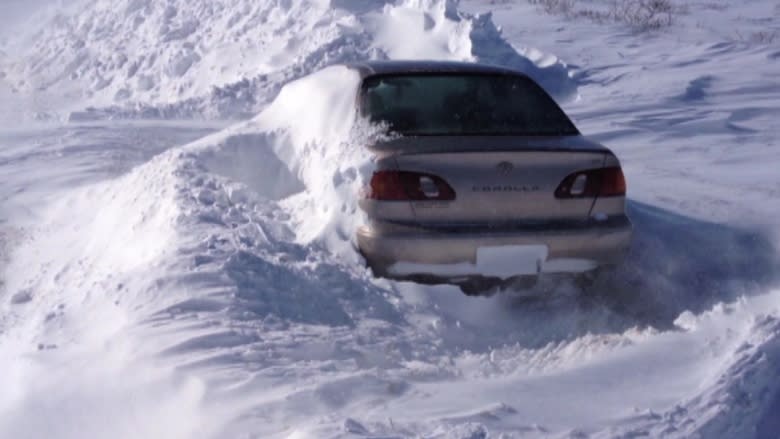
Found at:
(572, 247)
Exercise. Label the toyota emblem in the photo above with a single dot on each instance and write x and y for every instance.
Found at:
(505, 168)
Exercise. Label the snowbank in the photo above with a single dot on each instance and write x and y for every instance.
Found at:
(230, 258)
(228, 59)
(212, 290)
(306, 150)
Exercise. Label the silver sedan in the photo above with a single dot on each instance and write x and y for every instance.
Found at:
(488, 182)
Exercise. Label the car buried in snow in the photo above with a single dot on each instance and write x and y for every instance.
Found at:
(488, 182)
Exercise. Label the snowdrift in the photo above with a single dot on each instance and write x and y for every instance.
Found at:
(231, 259)
(228, 59)
(213, 291)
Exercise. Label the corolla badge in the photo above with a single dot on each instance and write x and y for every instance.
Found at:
(506, 188)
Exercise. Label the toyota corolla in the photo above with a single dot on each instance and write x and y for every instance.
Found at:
(486, 182)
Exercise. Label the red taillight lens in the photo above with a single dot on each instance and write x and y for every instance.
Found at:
(613, 183)
(603, 182)
(408, 186)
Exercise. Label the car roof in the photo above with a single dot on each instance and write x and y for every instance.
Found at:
(372, 68)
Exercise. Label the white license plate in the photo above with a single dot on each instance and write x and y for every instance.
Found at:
(511, 260)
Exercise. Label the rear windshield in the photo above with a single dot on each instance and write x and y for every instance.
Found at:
(462, 104)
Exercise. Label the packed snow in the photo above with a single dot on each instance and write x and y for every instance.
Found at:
(178, 200)
(152, 59)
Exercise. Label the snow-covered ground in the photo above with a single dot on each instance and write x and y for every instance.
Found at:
(170, 278)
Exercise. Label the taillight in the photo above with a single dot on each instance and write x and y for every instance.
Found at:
(603, 182)
(408, 186)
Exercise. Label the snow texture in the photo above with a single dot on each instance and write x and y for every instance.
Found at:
(227, 59)
(192, 279)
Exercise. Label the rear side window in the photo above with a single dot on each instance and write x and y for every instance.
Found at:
(462, 104)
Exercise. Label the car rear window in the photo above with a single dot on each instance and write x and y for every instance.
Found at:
(462, 104)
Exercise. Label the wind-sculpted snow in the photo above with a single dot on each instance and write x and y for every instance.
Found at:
(737, 399)
(230, 258)
(182, 58)
(213, 290)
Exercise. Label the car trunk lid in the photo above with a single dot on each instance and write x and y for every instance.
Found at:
(501, 187)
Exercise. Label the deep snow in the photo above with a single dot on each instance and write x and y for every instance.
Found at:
(142, 58)
(196, 279)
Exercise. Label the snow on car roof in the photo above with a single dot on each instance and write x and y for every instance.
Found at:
(371, 68)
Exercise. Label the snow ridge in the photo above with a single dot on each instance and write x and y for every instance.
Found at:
(228, 59)
(213, 290)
